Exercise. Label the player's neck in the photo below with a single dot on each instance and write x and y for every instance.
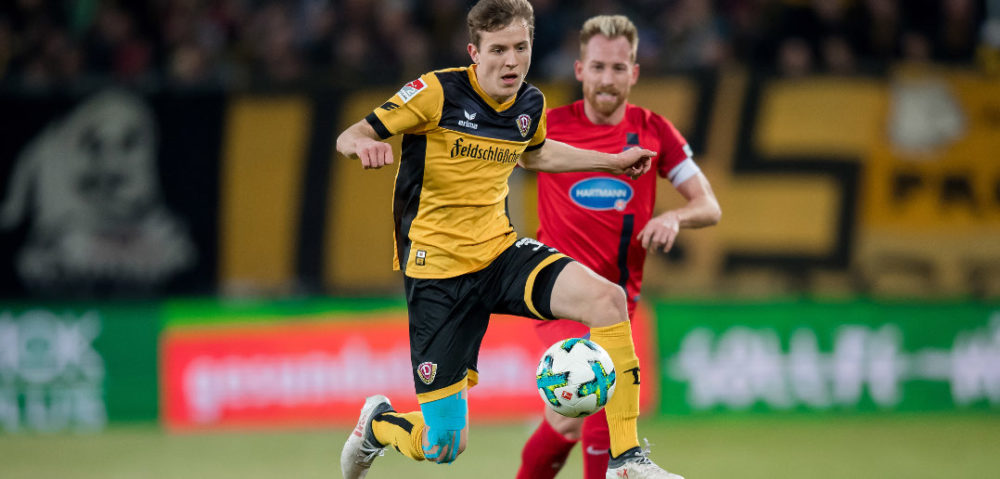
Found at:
(599, 118)
(499, 100)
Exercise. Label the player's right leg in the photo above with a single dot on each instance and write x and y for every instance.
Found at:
(584, 296)
(441, 437)
(447, 429)
(363, 446)
(447, 324)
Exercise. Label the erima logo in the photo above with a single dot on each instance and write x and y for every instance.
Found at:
(389, 106)
(537, 245)
(467, 122)
(601, 193)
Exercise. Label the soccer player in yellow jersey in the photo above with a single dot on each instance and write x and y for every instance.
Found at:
(464, 130)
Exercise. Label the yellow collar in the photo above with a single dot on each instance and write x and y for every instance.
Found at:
(474, 80)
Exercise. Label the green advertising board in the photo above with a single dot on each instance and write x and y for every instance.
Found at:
(205, 311)
(827, 356)
(73, 367)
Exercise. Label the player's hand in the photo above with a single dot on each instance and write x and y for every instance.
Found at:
(374, 154)
(660, 232)
(635, 162)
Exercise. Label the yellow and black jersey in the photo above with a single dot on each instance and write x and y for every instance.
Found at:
(459, 148)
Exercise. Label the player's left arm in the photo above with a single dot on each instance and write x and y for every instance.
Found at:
(558, 157)
(701, 210)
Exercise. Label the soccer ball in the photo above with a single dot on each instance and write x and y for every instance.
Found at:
(576, 377)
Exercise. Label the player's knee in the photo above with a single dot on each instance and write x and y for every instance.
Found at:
(607, 305)
(568, 427)
(445, 419)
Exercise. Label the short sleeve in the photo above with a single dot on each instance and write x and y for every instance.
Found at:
(675, 157)
(415, 108)
(540, 132)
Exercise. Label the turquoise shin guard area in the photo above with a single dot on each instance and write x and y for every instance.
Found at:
(444, 418)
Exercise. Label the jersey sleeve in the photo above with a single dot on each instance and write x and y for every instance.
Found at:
(415, 108)
(543, 122)
(676, 158)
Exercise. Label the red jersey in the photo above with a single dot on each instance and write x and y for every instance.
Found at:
(595, 218)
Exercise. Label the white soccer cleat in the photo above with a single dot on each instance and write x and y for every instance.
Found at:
(635, 464)
(361, 447)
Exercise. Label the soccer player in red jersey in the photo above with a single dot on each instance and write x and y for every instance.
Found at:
(605, 221)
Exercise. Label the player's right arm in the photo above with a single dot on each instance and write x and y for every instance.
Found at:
(362, 142)
(415, 108)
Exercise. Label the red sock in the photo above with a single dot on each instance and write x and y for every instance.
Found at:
(595, 442)
(545, 453)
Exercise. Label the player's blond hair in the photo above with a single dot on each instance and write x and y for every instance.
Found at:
(493, 15)
(610, 26)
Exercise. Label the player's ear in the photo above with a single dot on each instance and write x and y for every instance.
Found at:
(635, 73)
(578, 70)
(473, 53)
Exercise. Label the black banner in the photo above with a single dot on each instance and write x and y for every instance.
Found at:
(112, 193)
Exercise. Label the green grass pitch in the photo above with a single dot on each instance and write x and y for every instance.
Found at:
(858, 446)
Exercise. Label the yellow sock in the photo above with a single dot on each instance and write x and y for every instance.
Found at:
(401, 431)
(623, 408)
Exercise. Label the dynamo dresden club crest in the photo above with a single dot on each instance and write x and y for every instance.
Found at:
(427, 371)
(523, 124)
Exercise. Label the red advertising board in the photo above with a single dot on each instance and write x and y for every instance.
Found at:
(317, 373)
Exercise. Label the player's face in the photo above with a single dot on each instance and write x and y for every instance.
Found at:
(607, 73)
(503, 58)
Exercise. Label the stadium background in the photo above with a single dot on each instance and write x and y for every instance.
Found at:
(193, 284)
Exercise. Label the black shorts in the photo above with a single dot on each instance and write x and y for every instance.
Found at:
(448, 317)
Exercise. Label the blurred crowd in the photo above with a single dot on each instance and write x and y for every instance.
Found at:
(247, 43)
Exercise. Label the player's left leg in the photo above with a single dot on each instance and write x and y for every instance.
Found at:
(545, 452)
(596, 445)
(582, 295)
(534, 280)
